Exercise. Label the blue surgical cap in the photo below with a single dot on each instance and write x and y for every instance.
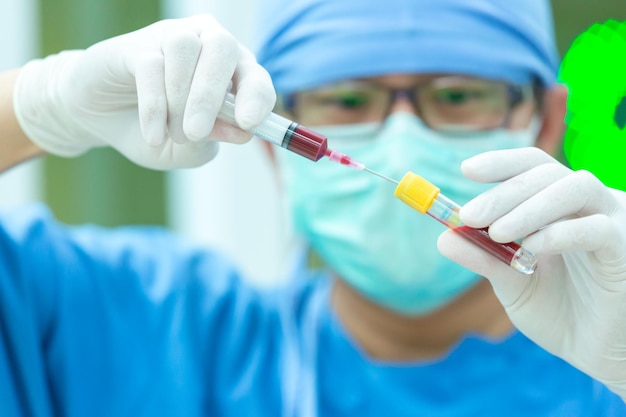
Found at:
(308, 43)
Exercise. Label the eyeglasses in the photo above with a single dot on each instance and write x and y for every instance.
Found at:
(446, 103)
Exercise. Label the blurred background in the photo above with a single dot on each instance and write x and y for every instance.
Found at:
(227, 204)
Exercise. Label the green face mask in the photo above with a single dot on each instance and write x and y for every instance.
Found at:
(377, 244)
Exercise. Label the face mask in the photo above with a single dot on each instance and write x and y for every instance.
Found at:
(380, 246)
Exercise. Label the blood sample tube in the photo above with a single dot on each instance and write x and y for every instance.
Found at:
(425, 197)
(282, 132)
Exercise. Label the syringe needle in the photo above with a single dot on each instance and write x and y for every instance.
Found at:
(344, 159)
(381, 175)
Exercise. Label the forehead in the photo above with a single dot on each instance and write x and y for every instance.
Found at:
(401, 80)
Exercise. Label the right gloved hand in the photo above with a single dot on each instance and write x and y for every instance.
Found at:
(574, 305)
(153, 95)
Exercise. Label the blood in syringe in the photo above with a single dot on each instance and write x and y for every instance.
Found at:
(314, 146)
(306, 142)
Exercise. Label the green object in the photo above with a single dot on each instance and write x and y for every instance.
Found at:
(100, 187)
(594, 71)
(620, 114)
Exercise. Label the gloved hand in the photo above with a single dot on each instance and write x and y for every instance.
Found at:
(574, 305)
(153, 95)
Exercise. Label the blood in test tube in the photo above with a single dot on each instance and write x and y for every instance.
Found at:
(307, 143)
(506, 252)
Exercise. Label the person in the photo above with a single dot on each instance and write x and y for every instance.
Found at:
(135, 321)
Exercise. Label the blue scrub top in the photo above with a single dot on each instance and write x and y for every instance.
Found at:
(135, 322)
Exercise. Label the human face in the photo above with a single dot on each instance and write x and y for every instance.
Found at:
(380, 248)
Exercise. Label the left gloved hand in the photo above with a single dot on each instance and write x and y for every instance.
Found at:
(153, 95)
(574, 305)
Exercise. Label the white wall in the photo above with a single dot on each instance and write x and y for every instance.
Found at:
(18, 34)
(232, 202)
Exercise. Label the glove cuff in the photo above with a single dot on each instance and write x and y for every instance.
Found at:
(40, 110)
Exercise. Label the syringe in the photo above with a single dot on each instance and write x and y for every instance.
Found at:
(282, 132)
(425, 197)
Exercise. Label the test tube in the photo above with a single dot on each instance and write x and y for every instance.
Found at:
(282, 132)
(426, 198)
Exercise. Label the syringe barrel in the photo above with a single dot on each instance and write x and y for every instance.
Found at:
(281, 132)
(272, 129)
(426, 198)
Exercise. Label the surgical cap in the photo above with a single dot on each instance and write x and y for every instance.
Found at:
(308, 43)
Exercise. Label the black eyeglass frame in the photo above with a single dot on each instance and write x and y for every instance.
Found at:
(516, 94)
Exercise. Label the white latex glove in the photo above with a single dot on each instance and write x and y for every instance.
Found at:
(153, 94)
(574, 305)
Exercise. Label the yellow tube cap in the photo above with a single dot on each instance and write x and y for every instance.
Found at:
(416, 192)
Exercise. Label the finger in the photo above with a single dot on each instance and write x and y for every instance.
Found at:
(171, 155)
(216, 66)
(193, 154)
(497, 166)
(225, 132)
(181, 51)
(255, 96)
(597, 233)
(501, 199)
(151, 99)
(576, 195)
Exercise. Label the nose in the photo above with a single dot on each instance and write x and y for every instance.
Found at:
(401, 101)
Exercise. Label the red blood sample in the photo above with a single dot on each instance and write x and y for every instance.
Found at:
(503, 251)
(307, 143)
